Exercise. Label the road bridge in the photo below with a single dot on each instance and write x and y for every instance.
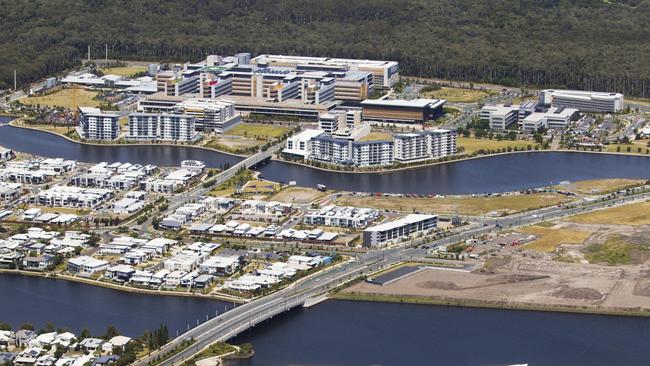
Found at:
(239, 319)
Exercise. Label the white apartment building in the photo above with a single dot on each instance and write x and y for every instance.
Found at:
(352, 217)
(345, 152)
(500, 117)
(75, 197)
(95, 124)
(300, 143)
(372, 153)
(164, 126)
(423, 145)
(584, 101)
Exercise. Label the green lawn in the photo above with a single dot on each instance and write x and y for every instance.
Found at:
(473, 145)
(124, 70)
(259, 131)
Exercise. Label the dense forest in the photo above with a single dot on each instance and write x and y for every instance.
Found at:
(585, 44)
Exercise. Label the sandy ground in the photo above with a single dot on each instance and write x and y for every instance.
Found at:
(529, 281)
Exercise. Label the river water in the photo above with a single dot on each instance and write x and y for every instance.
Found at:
(37, 300)
(492, 174)
(365, 333)
(347, 333)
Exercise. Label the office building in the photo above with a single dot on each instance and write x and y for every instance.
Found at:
(402, 111)
(95, 124)
(211, 115)
(500, 117)
(211, 86)
(584, 101)
(384, 73)
(401, 229)
(554, 118)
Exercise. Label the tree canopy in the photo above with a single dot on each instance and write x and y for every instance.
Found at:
(584, 44)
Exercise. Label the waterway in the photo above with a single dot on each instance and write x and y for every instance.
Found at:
(491, 174)
(46, 144)
(363, 333)
(347, 333)
(37, 300)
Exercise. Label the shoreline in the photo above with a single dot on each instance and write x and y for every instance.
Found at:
(12, 124)
(486, 304)
(116, 287)
(383, 171)
(426, 165)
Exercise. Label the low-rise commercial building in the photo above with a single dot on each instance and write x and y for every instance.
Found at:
(500, 117)
(554, 118)
(394, 231)
(583, 101)
(402, 111)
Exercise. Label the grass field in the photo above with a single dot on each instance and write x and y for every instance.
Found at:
(637, 147)
(472, 145)
(616, 250)
(124, 70)
(63, 98)
(232, 143)
(548, 239)
(458, 95)
(636, 214)
(599, 186)
(377, 136)
(452, 205)
(297, 195)
(258, 130)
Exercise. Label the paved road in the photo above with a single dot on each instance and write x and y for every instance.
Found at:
(178, 200)
(234, 321)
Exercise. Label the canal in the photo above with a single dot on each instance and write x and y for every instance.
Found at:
(365, 333)
(38, 300)
(486, 175)
(344, 332)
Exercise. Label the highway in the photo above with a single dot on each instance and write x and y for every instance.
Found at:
(233, 322)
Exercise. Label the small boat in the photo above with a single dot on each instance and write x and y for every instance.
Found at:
(321, 187)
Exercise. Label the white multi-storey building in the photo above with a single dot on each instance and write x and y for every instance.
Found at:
(394, 231)
(556, 118)
(584, 101)
(300, 144)
(500, 117)
(95, 124)
(165, 126)
(346, 152)
(211, 114)
(372, 153)
(422, 145)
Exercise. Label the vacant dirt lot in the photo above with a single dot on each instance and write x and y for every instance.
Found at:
(527, 282)
(298, 195)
